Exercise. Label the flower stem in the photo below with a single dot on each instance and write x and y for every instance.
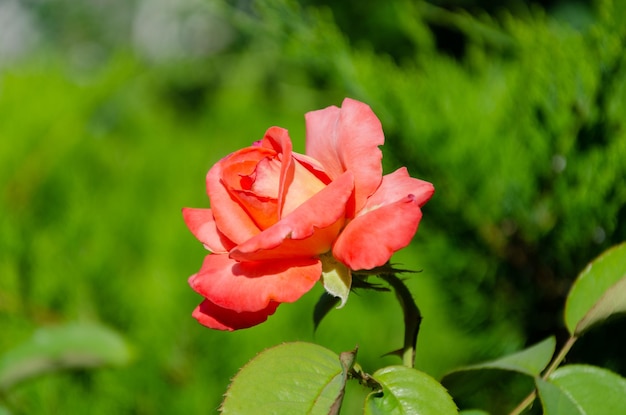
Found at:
(560, 357)
(412, 317)
(553, 366)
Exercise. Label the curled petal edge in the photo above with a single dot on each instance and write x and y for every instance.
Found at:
(396, 186)
(202, 225)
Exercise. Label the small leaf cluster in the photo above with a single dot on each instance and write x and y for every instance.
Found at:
(310, 379)
(268, 384)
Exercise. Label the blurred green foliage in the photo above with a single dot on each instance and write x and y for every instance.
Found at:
(111, 114)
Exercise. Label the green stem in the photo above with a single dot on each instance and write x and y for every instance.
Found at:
(525, 403)
(412, 317)
(553, 366)
(560, 357)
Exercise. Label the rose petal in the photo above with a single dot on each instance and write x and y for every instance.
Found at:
(347, 139)
(252, 286)
(258, 180)
(387, 222)
(216, 317)
(278, 139)
(369, 240)
(322, 138)
(319, 242)
(396, 186)
(304, 186)
(257, 191)
(289, 181)
(313, 166)
(321, 215)
(202, 225)
(230, 217)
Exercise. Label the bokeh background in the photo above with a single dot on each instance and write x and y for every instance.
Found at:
(112, 111)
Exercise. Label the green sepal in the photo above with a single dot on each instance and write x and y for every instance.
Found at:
(336, 278)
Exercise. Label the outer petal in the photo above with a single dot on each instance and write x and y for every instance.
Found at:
(252, 286)
(347, 139)
(386, 224)
(322, 138)
(324, 211)
(369, 240)
(216, 317)
(202, 225)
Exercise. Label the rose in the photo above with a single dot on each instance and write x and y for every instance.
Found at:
(281, 221)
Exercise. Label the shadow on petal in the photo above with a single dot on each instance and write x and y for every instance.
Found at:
(219, 318)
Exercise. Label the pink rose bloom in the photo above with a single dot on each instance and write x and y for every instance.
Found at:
(281, 221)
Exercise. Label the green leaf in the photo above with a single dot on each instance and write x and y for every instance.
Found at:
(336, 278)
(473, 412)
(493, 390)
(292, 378)
(596, 391)
(408, 391)
(530, 361)
(71, 346)
(510, 378)
(611, 303)
(555, 401)
(598, 292)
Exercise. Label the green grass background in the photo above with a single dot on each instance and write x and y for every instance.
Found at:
(515, 114)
